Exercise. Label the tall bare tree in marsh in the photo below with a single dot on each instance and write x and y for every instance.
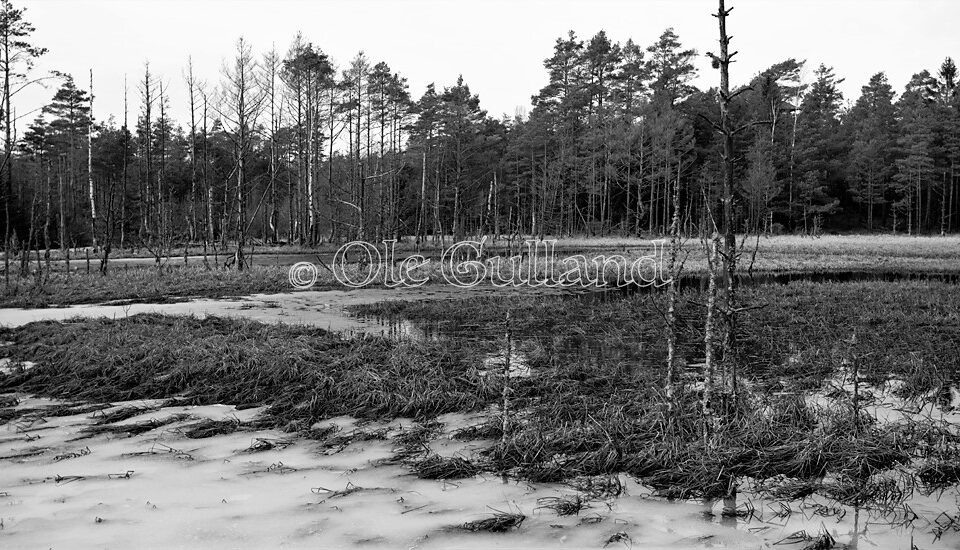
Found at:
(729, 252)
(207, 185)
(306, 73)
(90, 190)
(123, 183)
(164, 204)
(145, 136)
(240, 106)
(271, 66)
(191, 82)
(356, 79)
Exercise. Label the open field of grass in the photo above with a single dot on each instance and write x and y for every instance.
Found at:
(875, 254)
(864, 252)
(831, 253)
(780, 252)
(222, 252)
(141, 285)
(890, 243)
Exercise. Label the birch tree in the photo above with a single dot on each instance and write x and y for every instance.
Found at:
(90, 190)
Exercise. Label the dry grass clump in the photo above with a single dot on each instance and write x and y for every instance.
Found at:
(568, 505)
(337, 441)
(441, 467)
(124, 413)
(209, 428)
(348, 490)
(500, 522)
(876, 492)
(620, 537)
(418, 434)
(790, 489)
(9, 401)
(261, 444)
(821, 541)
(598, 487)
(414, 442)
(940, 473)
(320, 432)
(75, 409)
(6, 415)
(135, 428)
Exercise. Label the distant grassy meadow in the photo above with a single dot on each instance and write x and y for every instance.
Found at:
(174, 282)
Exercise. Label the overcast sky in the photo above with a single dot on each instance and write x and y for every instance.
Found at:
(498, 45)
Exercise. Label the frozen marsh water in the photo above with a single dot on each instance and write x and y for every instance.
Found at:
(107, 490)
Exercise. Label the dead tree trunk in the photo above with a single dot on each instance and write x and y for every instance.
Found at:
(729, 253)
(123, 185)
(709, 331)
(93, 202)
(63, 213)
(191, 87)
(672, 292)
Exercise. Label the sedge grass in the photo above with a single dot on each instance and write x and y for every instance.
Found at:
(586, 413)
(303, 374)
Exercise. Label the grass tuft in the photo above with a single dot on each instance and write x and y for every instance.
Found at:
(569, 505)
(500, 522)
(439, 467)
(123, 413)
(135, 428)
(209, 428)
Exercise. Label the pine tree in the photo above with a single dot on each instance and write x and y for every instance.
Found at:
(820, 150)
(949, 118)
(69, 116)
(768, 106)
(17, 55)
(916, 113)
(461, 117)
(873, 123)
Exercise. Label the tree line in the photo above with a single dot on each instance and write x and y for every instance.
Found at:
(288, 146)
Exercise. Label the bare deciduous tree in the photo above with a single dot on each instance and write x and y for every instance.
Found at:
(240, 106)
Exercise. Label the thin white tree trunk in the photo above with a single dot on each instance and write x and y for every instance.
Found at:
(93, 202)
